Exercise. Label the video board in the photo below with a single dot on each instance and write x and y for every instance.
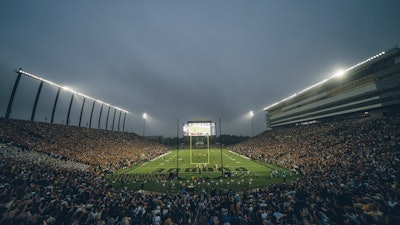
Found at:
(199, 128)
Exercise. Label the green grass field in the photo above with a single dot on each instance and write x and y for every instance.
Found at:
(199, 170)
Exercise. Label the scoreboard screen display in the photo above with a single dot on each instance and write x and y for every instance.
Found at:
(199, 128)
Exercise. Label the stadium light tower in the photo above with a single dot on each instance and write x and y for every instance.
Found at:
(144, 122)
(251, 113)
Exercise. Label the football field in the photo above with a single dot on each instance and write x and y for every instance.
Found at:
(201, 167)
(202, 163)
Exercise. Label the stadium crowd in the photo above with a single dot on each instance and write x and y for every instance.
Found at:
(35, 188)
(105, 149)
(350, 176)
(350, 168)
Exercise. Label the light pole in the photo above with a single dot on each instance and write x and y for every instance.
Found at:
(144, 122)
(220, 140)
(177, 149)
(252, 123)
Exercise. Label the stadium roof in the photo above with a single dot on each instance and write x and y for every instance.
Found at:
(67, 89)
(337, 74)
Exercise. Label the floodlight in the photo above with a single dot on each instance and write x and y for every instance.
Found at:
(340, 73)
(68, 89)
(144, 115)
(251, 114)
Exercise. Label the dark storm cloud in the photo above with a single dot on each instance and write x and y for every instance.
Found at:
(186, 59)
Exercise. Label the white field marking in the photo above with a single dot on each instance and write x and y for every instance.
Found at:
(161, 156)
(239, 155)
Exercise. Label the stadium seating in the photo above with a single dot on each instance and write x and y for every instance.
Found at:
(49, 175)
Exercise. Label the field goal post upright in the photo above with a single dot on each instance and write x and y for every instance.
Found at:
(193, 152)
(199, 129)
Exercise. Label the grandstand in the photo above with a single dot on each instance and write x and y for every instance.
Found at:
(370, 87)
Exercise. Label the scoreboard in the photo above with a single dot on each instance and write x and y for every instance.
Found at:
(199, 128)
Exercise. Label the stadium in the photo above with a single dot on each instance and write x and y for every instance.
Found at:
(329, 155)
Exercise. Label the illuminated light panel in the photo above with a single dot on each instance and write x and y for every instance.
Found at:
(340, 73)
(337, 74)
(67, 89)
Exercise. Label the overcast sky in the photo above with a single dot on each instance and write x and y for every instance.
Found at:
(183, 60)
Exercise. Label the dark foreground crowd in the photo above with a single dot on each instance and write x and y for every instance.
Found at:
(49, 174)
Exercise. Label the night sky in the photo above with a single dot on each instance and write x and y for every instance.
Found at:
(186, 60)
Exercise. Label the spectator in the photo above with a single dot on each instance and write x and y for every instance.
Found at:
(51, 174)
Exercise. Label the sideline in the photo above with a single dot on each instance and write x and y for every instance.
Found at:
(245, 157)
(160, 156)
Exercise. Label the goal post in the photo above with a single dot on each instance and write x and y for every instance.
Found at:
(199, 129)
(199, 156)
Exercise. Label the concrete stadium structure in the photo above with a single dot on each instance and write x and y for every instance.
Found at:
(370, 88)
